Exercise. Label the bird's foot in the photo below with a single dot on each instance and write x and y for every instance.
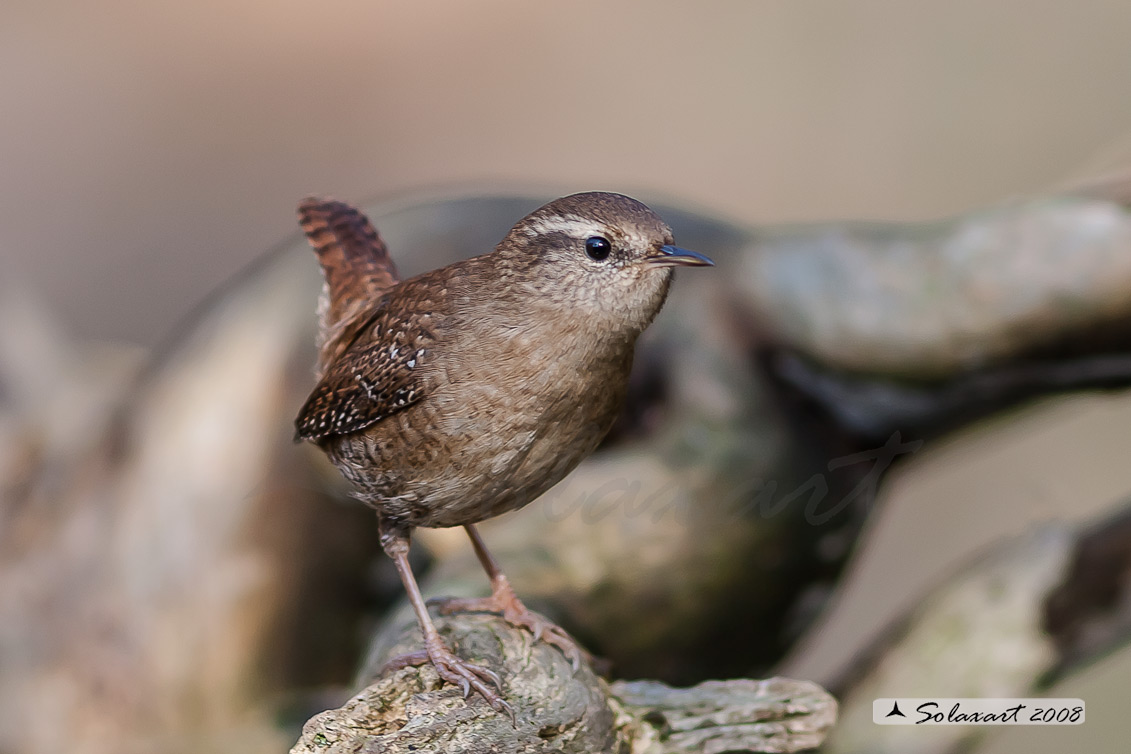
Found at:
(503, 600)
(453, 669)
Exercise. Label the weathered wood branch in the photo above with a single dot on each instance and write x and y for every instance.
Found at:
(557, 709)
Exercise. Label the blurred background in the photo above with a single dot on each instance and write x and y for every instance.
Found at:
(149, 152)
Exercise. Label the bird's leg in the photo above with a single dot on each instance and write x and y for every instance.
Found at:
(504, 600)
(466, 675)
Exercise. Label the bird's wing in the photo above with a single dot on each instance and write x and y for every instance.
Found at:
(379, 374)
(355, 265)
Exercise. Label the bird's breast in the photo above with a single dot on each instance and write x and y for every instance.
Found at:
(506, 422)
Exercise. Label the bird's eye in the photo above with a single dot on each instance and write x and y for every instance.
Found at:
(598, 248)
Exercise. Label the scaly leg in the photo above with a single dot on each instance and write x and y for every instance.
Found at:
(466, 675)
(504, 600)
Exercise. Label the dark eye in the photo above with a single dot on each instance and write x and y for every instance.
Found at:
(598, 248)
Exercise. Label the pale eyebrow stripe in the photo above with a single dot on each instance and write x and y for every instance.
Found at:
(571, 225)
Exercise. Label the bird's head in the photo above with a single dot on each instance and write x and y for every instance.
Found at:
(598, 255)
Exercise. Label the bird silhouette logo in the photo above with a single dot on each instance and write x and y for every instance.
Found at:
(895, 711)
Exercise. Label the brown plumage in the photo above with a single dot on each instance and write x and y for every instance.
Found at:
(470, 390)
(356, 270)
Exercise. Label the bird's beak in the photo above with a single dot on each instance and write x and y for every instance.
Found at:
(673, 256)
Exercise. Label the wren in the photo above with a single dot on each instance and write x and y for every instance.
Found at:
(470, 390)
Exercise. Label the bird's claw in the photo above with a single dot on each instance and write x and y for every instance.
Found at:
(459, 672)
(515, 613)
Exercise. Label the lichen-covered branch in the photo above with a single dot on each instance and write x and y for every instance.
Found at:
(558, 709)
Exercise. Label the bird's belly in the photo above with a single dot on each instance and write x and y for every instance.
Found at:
(468, 454)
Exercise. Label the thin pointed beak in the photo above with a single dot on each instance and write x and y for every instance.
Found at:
(673, 256)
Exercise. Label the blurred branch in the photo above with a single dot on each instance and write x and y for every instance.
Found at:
(1089, 612)
(929, 301)
(978, 634)
(1007, 625)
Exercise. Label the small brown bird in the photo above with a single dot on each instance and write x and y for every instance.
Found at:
(470, 390)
